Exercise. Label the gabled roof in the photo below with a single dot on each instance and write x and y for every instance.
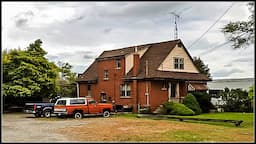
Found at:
(90, 74)
(155, 55)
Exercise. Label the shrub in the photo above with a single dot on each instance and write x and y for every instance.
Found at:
(204, 101)
(191, 102)
(175, 108)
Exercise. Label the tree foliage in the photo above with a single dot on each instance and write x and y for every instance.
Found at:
(241, 33)
(236, 100)
(28, 73)
(201, 66)
(67, 80)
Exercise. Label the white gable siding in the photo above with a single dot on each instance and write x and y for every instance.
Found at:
(168, 63)
(129, 59)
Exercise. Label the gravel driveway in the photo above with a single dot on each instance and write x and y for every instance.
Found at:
(26, 128)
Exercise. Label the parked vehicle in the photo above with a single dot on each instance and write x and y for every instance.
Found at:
(41, 109)
(79, 107)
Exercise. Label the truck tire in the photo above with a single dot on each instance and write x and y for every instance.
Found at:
(106, 113)
(78, 115)
(47, 113)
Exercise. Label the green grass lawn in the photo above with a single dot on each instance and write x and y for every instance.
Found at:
(247, 118)
(207, 131)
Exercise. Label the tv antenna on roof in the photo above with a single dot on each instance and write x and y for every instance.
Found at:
(176, 16)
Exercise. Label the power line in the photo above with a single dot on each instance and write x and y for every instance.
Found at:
(214, 48)
(218, 46)
(211, 26)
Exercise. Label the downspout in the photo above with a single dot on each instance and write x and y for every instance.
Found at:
(77, 89)
(147, 89)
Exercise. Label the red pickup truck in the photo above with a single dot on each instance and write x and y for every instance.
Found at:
(79, 107)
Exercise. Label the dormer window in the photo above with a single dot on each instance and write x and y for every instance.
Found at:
(178, 63)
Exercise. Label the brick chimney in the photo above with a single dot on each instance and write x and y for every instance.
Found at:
(136, 63)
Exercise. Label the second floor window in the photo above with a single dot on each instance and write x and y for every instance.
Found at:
(178, 63)
(118, 64)
(106, 74)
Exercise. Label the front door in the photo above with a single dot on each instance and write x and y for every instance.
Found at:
(171, 91)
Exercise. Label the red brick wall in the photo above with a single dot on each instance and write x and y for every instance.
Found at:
(157, 95)
(83, 89)
(111, 86)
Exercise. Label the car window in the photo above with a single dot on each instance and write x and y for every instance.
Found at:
(92, 102)
(61, 102)
(77, 101)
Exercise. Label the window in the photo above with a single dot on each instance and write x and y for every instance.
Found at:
(61, 102)
(89, 90)
(92, 102)
(118, 64)
(77, 101)
(125, 90)
(178, 63)
(106, 74)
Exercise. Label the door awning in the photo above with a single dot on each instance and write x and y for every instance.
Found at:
(197, 87)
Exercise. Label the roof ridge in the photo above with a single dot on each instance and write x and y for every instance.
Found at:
(141, 45)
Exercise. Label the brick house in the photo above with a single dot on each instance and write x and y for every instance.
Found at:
(144, 75)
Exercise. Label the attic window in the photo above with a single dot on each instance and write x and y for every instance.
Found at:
(178, 63)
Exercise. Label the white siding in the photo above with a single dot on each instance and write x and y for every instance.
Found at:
(129, 59)
(168, 63)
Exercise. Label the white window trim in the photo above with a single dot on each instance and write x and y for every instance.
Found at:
(125, 91)
(179, 63)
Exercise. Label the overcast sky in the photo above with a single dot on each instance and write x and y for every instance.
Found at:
(78, 32)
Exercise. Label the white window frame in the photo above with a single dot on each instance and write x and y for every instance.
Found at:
(106, 75)
(127, 88)
(179, 63)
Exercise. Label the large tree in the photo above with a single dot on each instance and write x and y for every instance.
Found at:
(201, 66)
(67, 80)
(241, 33)
(28, 73)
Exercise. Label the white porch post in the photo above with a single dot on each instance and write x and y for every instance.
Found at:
(169, 91)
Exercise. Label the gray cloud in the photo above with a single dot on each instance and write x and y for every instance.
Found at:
(97, 26)
(228, 65)
(107, 30)
(244, 59)
(21, 19)
(226, 73)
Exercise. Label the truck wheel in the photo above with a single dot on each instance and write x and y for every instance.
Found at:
(47, 114)
(106, 113)
(78, 115)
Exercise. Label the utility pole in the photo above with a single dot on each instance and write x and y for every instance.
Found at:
(176, 16)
